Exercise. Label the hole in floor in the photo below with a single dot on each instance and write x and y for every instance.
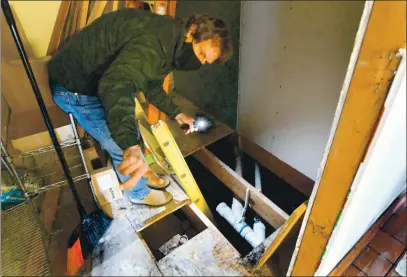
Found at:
(172, 231)
(277, 190)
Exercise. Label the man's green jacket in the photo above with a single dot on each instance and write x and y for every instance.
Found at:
(119, 54)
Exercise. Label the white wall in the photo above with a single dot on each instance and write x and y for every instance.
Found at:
(293, 60)
(380, 178)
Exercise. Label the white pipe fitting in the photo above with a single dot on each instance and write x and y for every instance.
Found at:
(241, 227)
(237, 208)
(259, 230)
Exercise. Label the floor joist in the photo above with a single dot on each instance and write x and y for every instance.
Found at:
(263, 206)
(292, 176)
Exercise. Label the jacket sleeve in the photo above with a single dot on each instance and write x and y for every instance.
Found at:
(159, 98)
(133, 70)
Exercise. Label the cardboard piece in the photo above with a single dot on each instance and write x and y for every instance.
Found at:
(43, 139)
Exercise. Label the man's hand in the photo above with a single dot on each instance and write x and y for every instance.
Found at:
(184, 119)
(134, 165)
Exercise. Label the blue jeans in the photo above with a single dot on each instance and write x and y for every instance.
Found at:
(90, 114)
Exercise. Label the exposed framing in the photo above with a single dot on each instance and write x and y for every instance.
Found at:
(355, 121)
(292, 176)
(263, 206)
(97, 11)
(58, 27)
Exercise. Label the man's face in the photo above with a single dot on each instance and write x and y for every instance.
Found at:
(206, 51)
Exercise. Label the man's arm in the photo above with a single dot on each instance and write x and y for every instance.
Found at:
(157, 96)
(130, 72)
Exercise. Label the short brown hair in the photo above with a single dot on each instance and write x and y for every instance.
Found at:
(209, 27)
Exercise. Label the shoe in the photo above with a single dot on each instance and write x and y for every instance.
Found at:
(156, 198)
(154, 185)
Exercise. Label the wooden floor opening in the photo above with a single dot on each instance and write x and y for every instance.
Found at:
(172, 231)
(274, 188)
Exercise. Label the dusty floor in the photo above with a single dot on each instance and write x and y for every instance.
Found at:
(282, 194)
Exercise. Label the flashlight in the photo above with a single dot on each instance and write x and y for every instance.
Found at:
(202, 124)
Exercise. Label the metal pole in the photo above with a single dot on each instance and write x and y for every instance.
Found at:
(12, 24)
(78, 143)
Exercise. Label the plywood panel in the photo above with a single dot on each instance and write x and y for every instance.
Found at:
(207, 254)
(122, 253)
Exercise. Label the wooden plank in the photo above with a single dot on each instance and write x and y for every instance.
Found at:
(97, 11)
(172, 8)
(263, 206)
(194, 142)
(115, 5)
(74, 19)
(284, 232)
(367, 237)
(83, 16)
(372, 75)
(292, 176)
(142, 216)
(206, 254)
(122, 253)
(58, 27)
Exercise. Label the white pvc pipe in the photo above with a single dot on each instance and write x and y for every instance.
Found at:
(259, 230)
(237, 207)
(234, 215)
(257, 177)
(239, 167)
(258, 226)
(254, 238)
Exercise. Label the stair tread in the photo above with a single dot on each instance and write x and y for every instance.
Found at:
(142, 216)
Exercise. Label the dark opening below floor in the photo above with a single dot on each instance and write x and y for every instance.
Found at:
(215, 192)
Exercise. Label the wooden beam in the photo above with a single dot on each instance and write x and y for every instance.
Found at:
(372, 76)
(97, 11)
(263, 206)
(367, 237)
(83, 16)
(288, 230)
(74, 19)
(172, 8)
(292, 176)
(115, 5)
(58, 27)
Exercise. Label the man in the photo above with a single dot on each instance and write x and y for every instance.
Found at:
(96, 74)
